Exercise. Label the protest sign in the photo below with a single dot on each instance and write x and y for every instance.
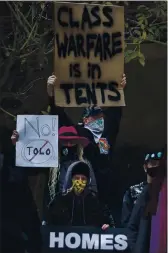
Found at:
(84, 239)
(89, 54)
(38, 141)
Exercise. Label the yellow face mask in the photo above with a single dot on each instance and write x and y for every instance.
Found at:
(79, 185)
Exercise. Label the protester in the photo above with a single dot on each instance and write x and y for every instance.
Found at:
(101, 128)
(78, 205)
(132, 194)
(71, 147)
(147, 225)
(20, 224)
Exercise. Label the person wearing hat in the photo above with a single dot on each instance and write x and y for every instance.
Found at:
(147, 230)
(78, 204)
(151, 165)
(71, 147)
(101, 128)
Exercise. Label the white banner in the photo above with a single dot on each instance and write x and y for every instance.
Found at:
(38, 141)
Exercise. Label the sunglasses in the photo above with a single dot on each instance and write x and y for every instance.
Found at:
(157, 155)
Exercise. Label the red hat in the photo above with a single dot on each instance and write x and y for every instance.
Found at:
(70, 134)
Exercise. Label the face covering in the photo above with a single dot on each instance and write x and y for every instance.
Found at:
(156, 171)
(68, 153)
(79, 185)
(96, 127)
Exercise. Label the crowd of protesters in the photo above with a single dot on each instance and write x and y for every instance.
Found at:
(76, 193)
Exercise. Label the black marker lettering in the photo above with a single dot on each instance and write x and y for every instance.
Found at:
(61, 46)
(95, 13)
(116, 43)
(106, 44)
(80, 45)
(35, 151)
(112, 87)
(29, 149)
(91, 94)
(90, 39)
(72, 46)
(66, 87)
(107, 11)
(78, 93)
(71, 21)
(86, 19)
(40, 152)
(48, 151)
(95, 69)
(102, 87)
(61, 11)
(75, 70)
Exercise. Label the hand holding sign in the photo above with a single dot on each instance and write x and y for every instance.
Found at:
(50, 85)
(38, 141)
(14, 137)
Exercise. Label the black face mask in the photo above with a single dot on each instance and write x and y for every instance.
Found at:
(68, 152)
(156, 171)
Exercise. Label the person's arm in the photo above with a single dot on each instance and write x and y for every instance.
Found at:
(107, 216)
(135, 236)
(126, 209)
(64, 120)
(112, 121)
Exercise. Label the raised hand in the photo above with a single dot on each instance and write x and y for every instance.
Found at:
(14, 137)
(50, 85)
(123, 81)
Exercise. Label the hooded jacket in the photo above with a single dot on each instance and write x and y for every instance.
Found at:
(84, 210)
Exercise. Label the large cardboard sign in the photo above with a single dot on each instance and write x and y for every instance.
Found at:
(84, 239)
(89, 55)
(38, 141)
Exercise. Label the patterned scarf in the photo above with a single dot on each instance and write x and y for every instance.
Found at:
(96, 127)
(159, 223)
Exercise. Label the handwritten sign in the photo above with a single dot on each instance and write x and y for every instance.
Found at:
(84, 239)
(38, 141)
(89, 54)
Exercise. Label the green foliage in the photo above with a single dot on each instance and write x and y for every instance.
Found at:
(148, 25)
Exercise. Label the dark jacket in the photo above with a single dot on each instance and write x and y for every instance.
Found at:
(129, 200)
(69, 209)
(19, 217)
(139, 226)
